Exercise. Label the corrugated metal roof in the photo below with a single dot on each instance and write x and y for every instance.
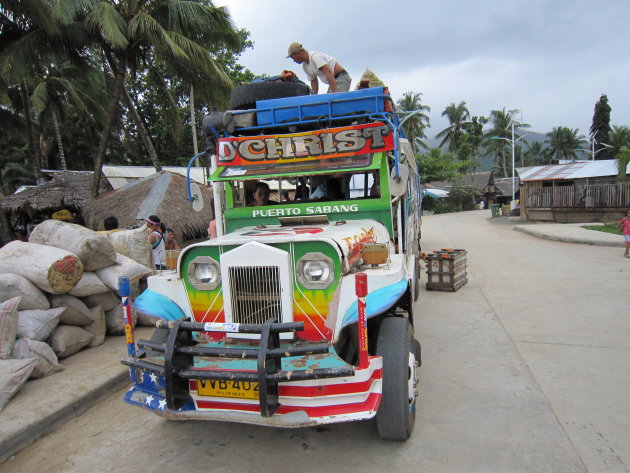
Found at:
(573, 170)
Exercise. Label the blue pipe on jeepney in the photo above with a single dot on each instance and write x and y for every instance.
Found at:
(124, 288)
(383, 118)
(197, 156)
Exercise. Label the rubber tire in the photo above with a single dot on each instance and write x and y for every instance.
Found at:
(395, 418)
(416, 280)
(244, 96)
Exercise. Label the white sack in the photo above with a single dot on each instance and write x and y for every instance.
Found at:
(66, 340)
(133, 244)
(93, 249)
(51, 269)
(46, 359)
(38, 324)
(124, 267)
(13, 374)
(115, 322)
(75, 311)
(89, 284)
(98, 328)
(108, 300)
(14, 285)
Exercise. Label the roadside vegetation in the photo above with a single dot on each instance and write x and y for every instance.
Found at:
(87, 82)
(610, 227)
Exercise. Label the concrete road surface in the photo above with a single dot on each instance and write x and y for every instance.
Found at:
(526, 369)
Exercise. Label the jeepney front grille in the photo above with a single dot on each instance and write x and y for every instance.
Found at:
(255, 293)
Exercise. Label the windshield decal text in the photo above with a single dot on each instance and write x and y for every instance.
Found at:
(310, 210)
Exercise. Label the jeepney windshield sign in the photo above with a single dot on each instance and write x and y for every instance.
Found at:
(304, 147)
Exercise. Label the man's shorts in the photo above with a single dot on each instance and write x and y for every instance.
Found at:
(626, 237)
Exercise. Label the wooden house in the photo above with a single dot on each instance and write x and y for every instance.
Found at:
(574, 192)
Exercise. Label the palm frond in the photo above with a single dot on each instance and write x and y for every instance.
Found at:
(108, 22)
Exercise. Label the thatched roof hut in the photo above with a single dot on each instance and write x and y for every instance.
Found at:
(163, 194)
(66, 190)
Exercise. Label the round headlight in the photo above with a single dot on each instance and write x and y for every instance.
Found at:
(205, 273)
(316, 270)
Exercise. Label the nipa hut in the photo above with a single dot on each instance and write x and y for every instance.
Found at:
(65, 193)
(163, 194)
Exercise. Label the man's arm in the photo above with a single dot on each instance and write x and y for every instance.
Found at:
(330, 77)
(315, 85)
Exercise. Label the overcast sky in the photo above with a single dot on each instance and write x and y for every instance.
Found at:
(550, 59)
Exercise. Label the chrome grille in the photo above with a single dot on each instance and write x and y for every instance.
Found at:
(255, 293)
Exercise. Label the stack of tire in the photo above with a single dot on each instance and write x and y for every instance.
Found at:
(59, 294)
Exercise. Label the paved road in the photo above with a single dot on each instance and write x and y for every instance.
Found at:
(525, 370)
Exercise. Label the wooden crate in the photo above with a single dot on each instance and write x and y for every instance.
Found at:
(446, 270)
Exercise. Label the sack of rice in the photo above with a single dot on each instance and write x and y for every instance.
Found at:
(75, 311)
(108, 300)
(51, 269)
(133, 244)
(46, 358)
(8, 326)
(115, 322)
(13, 374)
(89, 284)
(124, 267)
(93, 249)
(38, 324)
(14, 285)
(98, 328)
(66, 340)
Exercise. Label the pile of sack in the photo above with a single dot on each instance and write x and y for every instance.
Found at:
(59, 294)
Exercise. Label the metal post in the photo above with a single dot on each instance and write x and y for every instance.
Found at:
(124, 288)
(361, 290)
(513, 203)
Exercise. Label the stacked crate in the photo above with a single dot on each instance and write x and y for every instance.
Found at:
(446, 270)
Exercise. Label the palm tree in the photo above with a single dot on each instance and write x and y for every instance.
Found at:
(415, 125)
(535, 155)
(502, 121)
(130, 32)
(623, 158)
(459, 118)
(618, 138)
(564, 142)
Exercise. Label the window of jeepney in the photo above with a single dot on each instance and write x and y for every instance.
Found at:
(300, 167)
(334, 186)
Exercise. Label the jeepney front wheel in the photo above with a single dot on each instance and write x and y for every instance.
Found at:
(396, 414)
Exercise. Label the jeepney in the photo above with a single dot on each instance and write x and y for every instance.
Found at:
(300, 311)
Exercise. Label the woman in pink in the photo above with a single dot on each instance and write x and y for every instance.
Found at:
(624, 226)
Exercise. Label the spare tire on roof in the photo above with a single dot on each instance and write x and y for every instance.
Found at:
(245, 96)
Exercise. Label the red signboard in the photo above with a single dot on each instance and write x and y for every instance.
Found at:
(305, 146)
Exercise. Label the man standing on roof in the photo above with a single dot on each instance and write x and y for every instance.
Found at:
(320, 66)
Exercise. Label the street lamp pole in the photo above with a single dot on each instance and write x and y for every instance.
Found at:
(513, 143)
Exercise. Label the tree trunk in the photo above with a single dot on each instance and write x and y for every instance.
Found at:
(146, 139)
(43, 152)
(503, 163)
(62, 156)
(193, 123)
(6, 233)
(29, 130)
(112, 108)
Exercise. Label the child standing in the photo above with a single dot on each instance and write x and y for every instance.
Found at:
(624, 226)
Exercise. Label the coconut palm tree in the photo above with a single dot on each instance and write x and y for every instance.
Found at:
(459, 118)
(502, 121)
(415, 125)
(564, 142)
(131, 32)
(618, 138)
(623, 158)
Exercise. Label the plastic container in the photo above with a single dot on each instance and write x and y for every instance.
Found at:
(496, 210)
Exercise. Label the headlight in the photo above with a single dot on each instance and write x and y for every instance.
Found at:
(315, 271)
(204, 273)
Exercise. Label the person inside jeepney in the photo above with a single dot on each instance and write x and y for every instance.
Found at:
(260, 195)
(302, 192)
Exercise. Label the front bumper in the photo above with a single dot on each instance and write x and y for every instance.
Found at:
(299, 384)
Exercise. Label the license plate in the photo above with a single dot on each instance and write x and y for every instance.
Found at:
(235, 389)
